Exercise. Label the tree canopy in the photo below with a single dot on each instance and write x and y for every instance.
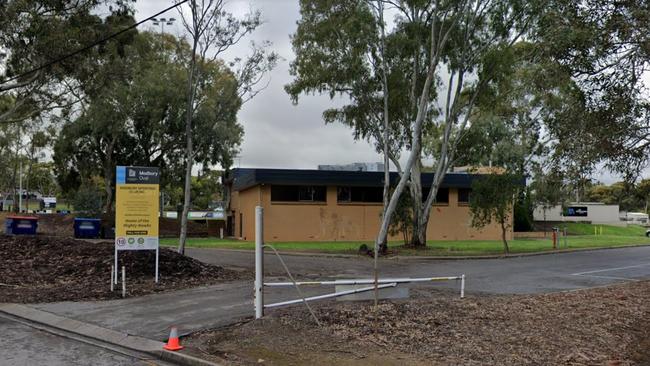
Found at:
(138, 118)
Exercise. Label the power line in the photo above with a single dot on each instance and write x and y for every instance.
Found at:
(50, 63)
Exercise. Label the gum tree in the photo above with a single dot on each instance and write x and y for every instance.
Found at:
(212, 30)
(35, 33)
(438, 57)
(492, 199)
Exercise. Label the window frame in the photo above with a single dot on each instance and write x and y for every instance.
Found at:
(469, 196)
(299, 198)
(352, 194)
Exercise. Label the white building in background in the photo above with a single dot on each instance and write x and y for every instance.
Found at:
(637, 218)
(593, 212)
(355, 167)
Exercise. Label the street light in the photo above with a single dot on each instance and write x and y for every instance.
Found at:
(162, 22)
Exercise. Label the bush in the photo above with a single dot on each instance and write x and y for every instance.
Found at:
(88, 201)
(523, 217)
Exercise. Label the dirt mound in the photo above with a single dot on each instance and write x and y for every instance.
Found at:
(603, 326)
(56, 224)
(45, 269)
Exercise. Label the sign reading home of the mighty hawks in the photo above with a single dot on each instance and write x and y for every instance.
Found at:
(136, 208)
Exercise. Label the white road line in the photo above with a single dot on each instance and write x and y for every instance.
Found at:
(610, 269)
(609, 277)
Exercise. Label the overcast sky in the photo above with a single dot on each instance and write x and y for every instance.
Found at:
(279, 134)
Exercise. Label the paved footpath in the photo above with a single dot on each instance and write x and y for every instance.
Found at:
(214, 306)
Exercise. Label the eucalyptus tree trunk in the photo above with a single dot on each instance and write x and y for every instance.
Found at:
(383, 245)
(506, 248)
(109, 166)
(416, 196)
(416, 146)
(189, 153)
(13, 179)
(108, 181)
(29, 173)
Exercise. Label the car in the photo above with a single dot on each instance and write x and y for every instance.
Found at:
(647, 233)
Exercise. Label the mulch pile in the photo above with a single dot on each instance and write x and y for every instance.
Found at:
(56, 224)
(604, 326)
(47, 269)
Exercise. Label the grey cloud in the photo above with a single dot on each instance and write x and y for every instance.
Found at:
(277, 133)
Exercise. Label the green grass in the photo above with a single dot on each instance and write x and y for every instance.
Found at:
(618, 237)
(489, 247)
(330, 247)
(576, 228)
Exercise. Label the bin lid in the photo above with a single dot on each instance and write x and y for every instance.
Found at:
(23, 217)
(86, 219)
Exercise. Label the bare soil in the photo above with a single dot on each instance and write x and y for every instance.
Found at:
(46, 269)
(603, 326)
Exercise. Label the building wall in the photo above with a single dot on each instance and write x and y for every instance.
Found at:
(333, 221)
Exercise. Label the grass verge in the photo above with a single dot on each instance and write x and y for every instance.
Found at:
(627, 236)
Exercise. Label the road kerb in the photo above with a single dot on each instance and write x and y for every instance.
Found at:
(109, 336)
(513, 255)
(429, 257)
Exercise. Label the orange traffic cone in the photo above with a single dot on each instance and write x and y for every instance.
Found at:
(173, 343)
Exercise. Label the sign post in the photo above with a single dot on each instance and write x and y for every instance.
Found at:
(136, 210)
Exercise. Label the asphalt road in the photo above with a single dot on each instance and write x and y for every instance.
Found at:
(23, 345)
(214, 306)
(530, 274)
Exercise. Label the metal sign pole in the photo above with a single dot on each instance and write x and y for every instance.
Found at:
(116, 265)
(157, 250)
(259, 262)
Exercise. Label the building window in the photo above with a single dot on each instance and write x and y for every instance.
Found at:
(298, 193)
(360, 194)
(442, 196)
(344, 194)
(312, 193)
(464, 195)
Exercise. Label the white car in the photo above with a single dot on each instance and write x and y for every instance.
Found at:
(647, 233)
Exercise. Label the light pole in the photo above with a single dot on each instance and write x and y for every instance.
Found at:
(20, 189)
(162, 22)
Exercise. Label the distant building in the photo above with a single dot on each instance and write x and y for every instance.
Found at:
(637, 218)
(319, 205)
(355, 167)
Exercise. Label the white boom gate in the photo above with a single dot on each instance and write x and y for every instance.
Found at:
(260, 284)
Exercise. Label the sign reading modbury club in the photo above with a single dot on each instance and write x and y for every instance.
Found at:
(136, 208)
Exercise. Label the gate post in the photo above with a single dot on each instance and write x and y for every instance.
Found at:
(259, 262)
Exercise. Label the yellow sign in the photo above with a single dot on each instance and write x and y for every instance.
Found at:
(136, 208)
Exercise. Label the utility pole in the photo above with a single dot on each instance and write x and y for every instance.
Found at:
(162, 22)
(20, 188)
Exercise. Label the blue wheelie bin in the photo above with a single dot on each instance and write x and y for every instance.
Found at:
(86, 228)
(21, 225)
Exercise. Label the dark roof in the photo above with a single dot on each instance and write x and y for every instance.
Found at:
(245, 178)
